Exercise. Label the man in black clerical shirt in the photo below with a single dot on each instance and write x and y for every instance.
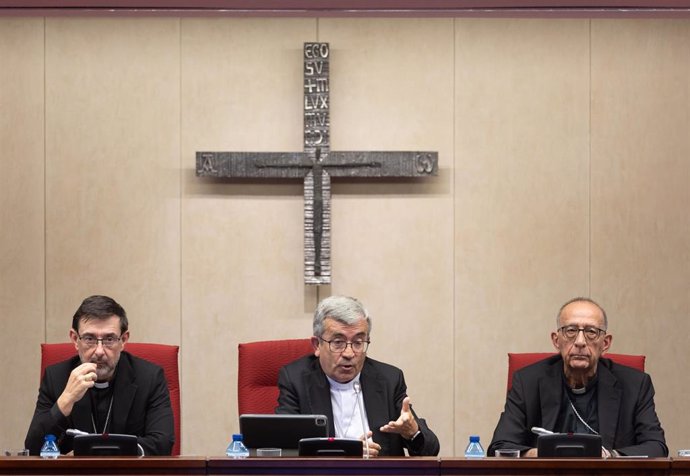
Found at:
(103, 389)
(577, 391)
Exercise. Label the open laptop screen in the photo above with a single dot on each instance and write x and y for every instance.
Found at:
(281, 431)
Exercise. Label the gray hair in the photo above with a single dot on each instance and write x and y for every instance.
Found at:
(582, 299)
(344, 309)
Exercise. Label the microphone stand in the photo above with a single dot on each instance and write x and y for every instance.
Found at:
(365, 427)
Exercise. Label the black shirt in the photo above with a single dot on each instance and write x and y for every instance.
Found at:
(585, 402)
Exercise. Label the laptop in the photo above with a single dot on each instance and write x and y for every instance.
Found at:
(280, 431)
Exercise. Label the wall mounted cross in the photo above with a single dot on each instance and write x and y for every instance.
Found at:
(316, 165)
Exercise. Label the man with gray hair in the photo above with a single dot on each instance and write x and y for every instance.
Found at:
(330, 381)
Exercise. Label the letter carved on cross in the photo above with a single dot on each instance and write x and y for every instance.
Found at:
(317, 164)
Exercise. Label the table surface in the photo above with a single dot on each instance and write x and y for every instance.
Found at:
(70, 465)
(427, 466)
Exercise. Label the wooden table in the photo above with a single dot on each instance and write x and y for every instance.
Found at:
(69, 465)
(220, 465)
(680, 466)
(553, 466)
(325, 466)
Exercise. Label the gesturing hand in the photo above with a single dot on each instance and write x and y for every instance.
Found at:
(406, 424)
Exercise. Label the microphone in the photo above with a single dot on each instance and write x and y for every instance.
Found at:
(357, 386)
(541, 431)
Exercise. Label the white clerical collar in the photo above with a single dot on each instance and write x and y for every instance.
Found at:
(101, 385)
(341, 387)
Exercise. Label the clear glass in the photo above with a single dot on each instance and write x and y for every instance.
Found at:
(474, 448)
(13, 452)
(269, 452)
(507, 453)
(236, 448)
(49, 449)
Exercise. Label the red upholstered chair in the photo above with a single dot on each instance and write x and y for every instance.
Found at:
(160, 354)
(517, 361)
(257, 373)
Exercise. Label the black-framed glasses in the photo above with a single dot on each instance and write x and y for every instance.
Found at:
(92, 341)
(339, 345)
(591, 333)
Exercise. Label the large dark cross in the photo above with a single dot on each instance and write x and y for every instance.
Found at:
(317, 164)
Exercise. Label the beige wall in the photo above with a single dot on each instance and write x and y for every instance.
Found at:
(564, 157)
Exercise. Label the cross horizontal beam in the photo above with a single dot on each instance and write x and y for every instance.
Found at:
(298, 164)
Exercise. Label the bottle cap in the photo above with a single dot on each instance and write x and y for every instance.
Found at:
(474, 439)
(237, 437)
(50, 437)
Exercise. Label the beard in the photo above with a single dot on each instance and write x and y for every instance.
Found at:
(105, 369)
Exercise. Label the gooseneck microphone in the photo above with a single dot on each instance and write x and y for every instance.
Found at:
(357, 386)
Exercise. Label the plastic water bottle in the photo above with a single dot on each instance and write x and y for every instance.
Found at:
(474, 448)
(236, 448)
(49, 450)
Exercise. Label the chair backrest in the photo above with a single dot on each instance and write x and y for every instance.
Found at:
(518, 360)
(160, 354)
(257, 372)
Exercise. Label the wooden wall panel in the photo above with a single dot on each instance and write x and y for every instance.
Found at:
(639, 201)
(112, 171)
(241, 241)
(22, 284)
(521, 204)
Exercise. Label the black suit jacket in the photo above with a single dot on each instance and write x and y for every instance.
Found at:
(141, 407)
(304, 389)
(627, 418)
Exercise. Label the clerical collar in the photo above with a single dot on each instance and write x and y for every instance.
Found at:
(343, 386)
(582, 390)
(101, 385)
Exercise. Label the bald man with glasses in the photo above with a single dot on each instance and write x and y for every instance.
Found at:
(579, 391)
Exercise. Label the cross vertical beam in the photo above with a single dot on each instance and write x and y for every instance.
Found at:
(317, 146)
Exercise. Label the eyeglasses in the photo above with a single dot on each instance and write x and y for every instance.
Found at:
(590, 333)
(339, 345)
(107, 341)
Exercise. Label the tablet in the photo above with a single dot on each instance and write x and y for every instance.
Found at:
(281, 431)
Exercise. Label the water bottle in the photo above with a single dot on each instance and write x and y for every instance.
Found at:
(236, 448)
(474, 448)
(49, 450)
